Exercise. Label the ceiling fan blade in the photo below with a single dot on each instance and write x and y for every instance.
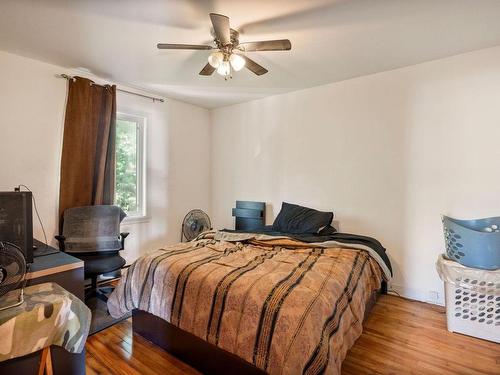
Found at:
(266, 45)
(207, 70)
(221, 27)
(183, 46)
(254, 67)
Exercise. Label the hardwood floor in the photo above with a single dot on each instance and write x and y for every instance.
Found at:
(400, 337)
(409, 337)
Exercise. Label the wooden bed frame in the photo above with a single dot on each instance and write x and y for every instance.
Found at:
(203, 356)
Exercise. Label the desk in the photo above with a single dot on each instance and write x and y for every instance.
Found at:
(57, 267)
(67, 271)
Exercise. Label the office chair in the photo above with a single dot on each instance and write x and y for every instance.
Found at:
(92, 234)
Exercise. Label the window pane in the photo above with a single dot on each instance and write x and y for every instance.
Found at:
(126, 165)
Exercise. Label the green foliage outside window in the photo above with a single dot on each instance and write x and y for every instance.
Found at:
(126, 165)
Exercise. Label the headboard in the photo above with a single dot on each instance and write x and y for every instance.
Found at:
(249, 215)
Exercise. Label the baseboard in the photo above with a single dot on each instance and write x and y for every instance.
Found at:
(418, 294)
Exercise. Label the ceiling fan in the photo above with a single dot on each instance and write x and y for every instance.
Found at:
(229, 51)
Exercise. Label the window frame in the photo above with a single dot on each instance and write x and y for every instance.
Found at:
(142, 122)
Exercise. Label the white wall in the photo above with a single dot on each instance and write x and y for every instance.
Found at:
(32, 103)
(178, 170)
(388, 153)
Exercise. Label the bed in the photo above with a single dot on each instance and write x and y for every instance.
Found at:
(255, 303)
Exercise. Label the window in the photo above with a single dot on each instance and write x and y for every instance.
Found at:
(130, 164)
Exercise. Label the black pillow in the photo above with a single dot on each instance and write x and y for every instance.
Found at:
(297, 219)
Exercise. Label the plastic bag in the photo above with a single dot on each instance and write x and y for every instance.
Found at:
(482, 281)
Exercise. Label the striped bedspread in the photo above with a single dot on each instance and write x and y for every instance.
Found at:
(284, 306)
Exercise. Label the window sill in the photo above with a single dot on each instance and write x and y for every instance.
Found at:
(135, 220)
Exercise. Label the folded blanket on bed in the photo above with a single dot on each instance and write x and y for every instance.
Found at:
(286, 306)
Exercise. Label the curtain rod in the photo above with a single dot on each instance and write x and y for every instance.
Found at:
(154, 99)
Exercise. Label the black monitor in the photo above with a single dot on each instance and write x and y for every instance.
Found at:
(16, 220)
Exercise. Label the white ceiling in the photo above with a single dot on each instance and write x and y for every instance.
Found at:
(331, 40)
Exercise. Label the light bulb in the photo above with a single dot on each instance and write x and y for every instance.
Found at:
(215, 59)
(224, 68)
(237, 62)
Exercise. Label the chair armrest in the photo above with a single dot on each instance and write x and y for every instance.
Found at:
(61, 240)
(122, 238)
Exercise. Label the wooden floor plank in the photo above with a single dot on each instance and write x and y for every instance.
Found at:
(400, 337)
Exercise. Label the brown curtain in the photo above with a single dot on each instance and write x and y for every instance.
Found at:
(88, 153)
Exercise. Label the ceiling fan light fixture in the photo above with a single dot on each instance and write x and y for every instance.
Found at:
(225, 42)
(237, 62)
(224, 69)
(215, 59)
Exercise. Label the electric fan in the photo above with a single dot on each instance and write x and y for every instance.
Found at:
(12, 275)
(194, 223)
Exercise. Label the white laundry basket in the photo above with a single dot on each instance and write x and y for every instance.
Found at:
(472, 299)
